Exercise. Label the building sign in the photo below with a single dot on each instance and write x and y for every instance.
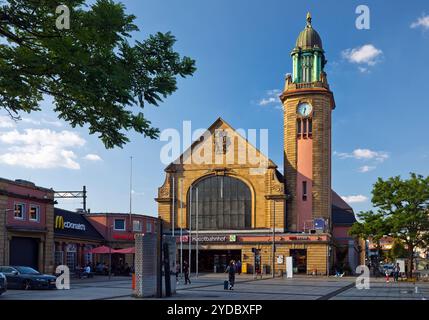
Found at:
(209, 238)
(118, 236)
(61, 224)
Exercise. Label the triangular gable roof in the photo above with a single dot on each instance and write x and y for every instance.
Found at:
(219, 121)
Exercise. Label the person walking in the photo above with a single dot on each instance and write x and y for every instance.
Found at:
(231, 274)
(186, 272)
(397, 270)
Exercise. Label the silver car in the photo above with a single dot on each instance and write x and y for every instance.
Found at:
(3, 283)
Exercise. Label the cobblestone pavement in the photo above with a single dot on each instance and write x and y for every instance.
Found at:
(210, 287)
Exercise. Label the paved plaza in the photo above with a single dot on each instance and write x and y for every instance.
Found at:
(210, 287)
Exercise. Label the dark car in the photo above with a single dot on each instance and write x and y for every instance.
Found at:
(26, 278)
(3, 283)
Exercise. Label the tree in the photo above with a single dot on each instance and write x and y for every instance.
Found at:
(398, 250)
(402, 211)
(370, 226)
(95, 76)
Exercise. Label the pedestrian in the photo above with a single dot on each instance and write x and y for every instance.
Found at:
(177, 272)
(397, 270)
(186, 272)
(231, 274)
(387, 276)
(239, 267)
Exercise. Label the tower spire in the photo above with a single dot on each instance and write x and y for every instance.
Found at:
(309, 19)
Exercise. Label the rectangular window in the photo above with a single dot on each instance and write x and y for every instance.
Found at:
(149, 227)
(304, 190)
(119, 224)
(299, 128)
(310, 127)
(34, 213)
(304, 124)
(19, 211)
(137, 227)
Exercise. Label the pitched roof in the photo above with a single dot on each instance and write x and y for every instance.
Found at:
(219, 121)
(89, 232)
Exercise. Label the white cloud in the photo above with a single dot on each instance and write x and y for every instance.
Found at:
(367, 54)
(422, 22)
(365, 169)
(355, 199)
(272, 98)
(40, 148)
(6, 122)
(54, 123)
(93, 157)
(364, 154)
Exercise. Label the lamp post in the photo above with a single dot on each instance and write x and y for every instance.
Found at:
(274, 239)
(196, 228)
(110, 251)
(5, 234)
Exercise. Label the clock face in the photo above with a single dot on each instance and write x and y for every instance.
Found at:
(305, 109)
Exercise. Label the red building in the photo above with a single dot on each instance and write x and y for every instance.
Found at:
(26, 224)
(118, 229)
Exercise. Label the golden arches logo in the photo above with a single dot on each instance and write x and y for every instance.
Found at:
(59, 222)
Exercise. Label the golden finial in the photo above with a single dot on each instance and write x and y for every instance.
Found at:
(308, 19)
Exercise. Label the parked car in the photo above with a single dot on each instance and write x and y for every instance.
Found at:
(26, 278)
(387, 268)
(3, 283)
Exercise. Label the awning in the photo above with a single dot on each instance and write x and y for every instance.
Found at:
(105, 249)
(101, 250)
(126, 250)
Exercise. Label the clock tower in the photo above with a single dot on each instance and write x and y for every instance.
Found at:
(307, 105)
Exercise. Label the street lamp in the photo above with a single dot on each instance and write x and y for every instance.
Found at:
(5, 234)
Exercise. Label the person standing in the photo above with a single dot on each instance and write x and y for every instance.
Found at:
(239, 267)
(177, 272)
(186, 272)
(231, 274)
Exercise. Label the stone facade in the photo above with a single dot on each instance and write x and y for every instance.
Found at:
(260, 177)
(322, 101)
(42, 231)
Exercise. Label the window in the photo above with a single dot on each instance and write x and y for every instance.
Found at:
(19, 211)
(34, 213)
(119, 224)
(148, 227)
(304, 190)
(59, 258)
(310, 127)
(299, 127)
(137, 227)
(224, 203)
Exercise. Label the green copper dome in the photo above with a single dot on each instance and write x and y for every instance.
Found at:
(309, 38)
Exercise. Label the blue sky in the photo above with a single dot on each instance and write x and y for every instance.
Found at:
(242, 50)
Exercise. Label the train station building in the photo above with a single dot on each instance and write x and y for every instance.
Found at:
(229, 200)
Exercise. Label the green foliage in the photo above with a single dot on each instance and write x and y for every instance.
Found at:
(95, 76)
(402, 212)
(398, 250)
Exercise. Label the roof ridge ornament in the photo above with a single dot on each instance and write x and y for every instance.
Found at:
(309, 20)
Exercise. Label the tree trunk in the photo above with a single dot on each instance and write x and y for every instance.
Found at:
(410, 261)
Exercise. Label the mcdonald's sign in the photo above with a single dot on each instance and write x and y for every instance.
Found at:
(59, 222)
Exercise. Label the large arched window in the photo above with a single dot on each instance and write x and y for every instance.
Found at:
(223, 203)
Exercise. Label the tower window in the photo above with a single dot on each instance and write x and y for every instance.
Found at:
(304, 190)
(310, 127)
(299, 127)
(304, 124)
